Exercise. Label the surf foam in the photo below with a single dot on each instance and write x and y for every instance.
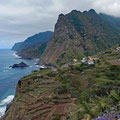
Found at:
(4, 103)
(17, 56)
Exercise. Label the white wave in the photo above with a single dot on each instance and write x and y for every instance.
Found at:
(17, 56)
(2, 110)
(41, 66)
(4, 103)
(36, 59)
(5, 70)
(6, 67)
(37, 66)
(9, 68)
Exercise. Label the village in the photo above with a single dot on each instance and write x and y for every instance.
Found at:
(85, 60)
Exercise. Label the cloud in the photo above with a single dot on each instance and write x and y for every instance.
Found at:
(22, 18)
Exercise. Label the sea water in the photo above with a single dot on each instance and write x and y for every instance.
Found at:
(9, 76)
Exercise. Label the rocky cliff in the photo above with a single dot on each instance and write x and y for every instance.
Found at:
(81, 33)
(36, 98)
(33, 46)
(16, 46)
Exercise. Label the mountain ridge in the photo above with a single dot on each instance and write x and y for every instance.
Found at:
(30, 47)
(90, 31)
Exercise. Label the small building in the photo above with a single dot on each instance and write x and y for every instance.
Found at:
(90, 62)
(75, 60)
(118, 48)
(84, 60)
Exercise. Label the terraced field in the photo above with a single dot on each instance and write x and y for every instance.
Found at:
(36, 100)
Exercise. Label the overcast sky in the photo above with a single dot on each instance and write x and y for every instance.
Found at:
(22, 18)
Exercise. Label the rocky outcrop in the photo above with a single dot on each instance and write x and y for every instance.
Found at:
(20, 65)
(79, 34)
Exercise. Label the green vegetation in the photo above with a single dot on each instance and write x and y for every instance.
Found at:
(95, 87)
(79, 34)
(33, 51)
(69, 55)
(33, 46)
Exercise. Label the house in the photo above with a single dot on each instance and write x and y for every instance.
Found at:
(84, 60)
(90, 62)
(90, 58)
(75, 60)
(118, 48)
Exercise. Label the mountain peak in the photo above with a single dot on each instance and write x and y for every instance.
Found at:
(61, 15)
(75, 11)
(78, 34)
(92, 11)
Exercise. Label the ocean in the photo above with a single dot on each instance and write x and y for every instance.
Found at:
(9, 77)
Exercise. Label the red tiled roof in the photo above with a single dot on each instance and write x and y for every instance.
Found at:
(90, 60)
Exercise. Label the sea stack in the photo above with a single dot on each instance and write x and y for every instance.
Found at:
(20, 65)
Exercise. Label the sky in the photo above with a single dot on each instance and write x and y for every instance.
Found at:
(20, 19)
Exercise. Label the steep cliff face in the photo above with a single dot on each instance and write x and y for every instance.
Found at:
(63, 40)
(36, 99)
(80, 33)
(33, 51)
(33, 46)
(16, 46)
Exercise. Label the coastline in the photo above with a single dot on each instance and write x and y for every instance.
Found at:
(16, 55)
(4, 103)
(9, 77)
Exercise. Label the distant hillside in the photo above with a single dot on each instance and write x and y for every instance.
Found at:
(79, 34)
(16, 46)
(33, 51)
(31, 46)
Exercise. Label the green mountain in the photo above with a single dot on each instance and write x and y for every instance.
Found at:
(33, 46)
(79, 34)
(16, 46)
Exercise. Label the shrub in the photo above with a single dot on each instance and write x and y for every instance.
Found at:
(61, 89)
(115, 67)
(112, 75)
(19, 83)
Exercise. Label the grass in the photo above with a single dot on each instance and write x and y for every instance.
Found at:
(95, 87)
